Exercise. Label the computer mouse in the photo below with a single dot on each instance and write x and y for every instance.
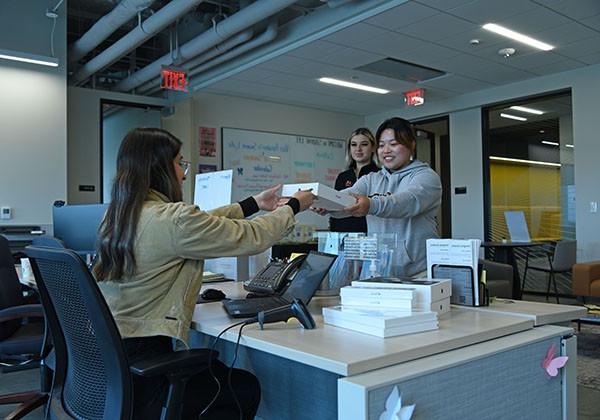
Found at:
(212, 294)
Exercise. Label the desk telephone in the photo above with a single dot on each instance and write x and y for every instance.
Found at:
(275, 276)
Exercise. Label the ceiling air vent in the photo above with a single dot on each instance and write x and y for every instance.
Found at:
(402, 70)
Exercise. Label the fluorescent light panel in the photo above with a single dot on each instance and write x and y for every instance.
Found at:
(569, 145)
(524, 39)
(512, 117)
(528, 162)
(353, 85)
(550, 143)
(528, 110)
(29, 58)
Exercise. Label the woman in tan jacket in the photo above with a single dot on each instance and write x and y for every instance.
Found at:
(150, 261)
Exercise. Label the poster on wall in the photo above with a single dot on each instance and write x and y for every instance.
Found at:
(204, 169)
(207, 141)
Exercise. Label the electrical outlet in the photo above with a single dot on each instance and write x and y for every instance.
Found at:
(593, 206)
(5, 213)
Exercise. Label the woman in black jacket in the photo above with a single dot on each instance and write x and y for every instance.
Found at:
(360, 154)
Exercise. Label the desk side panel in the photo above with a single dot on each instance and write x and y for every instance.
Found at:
(290, 390)
(499, 379)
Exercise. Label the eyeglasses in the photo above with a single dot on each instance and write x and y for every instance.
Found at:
(185, 165)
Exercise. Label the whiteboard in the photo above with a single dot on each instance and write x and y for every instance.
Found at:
(262, 159)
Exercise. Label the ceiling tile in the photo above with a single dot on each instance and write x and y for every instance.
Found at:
(405, 14)
(316, 50)
(558, 67)
(537, 59)
(461, 41)
(593, 22)
(355, 34)
(460, 62)
(591, 59)
(581, 48)
(437, 27)
(443, 4)
(577, 9)
(392, 44)
(483, 11)
(566, 34)
(254, 74)
(497, 74)
(351, 58)
(457, 84)
(533, 21)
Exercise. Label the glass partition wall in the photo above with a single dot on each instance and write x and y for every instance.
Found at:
(528, 151)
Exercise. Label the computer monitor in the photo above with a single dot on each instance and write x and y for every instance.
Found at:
(77, 225)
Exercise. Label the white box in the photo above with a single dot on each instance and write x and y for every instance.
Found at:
(441, 306)
(426, 290)
(327, 197)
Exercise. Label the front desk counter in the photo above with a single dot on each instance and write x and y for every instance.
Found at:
(477, 365)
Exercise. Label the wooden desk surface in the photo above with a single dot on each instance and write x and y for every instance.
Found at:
(346, 352)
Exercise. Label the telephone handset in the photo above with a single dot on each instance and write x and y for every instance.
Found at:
(274, 276)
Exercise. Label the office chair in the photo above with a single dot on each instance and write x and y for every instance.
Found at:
(47, 241)
(92, 378)
(21, 344)
(561, 260)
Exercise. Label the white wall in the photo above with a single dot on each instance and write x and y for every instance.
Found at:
(33, 119)
(585, 87)
(83, 154)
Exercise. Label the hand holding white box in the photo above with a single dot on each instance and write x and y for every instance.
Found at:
(326, 197)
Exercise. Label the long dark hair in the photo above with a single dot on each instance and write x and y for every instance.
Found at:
(144, 162)
(403, 132)
(369, 135)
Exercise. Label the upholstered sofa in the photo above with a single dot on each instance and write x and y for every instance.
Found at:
(586, 279)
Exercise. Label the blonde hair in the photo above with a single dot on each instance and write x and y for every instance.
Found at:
(362, 131)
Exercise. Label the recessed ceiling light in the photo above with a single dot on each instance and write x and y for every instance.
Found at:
(550, 143)
(528, 110)
(353, 85)
(512, 117)
(29, 58)
(527, 40)
(569, 145)
(542, 131)
(528, 162)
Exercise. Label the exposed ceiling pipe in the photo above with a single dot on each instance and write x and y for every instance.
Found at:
(267, 36)
(322, 22)
(150, 27)
(239, 21)
(336, 3)
(107, 24)
(219, 49)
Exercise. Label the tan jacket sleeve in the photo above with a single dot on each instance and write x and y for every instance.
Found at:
(200, 235)
(231, 211)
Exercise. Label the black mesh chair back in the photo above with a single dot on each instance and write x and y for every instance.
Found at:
(92, 379)
(10, 288)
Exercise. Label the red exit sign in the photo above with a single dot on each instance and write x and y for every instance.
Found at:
(415, 97)
(173, 79)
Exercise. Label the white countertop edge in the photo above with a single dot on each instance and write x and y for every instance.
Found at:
(419, 367)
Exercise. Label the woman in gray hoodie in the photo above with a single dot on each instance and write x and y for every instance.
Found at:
(402, 198)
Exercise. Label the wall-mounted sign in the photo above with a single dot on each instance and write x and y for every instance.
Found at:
(172, 78)
(415, 97)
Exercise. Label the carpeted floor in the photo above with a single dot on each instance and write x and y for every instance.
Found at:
(588, 356)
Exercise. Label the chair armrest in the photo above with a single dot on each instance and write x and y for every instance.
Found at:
(178, 362)
(583, 275)
(21, 311)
